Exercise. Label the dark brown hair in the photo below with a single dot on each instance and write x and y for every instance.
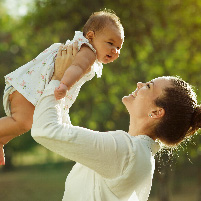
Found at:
(182, 114)
(99, 20)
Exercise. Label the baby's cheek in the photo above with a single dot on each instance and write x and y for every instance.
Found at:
(116, 57)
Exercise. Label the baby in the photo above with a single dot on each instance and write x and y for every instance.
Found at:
(100, 42)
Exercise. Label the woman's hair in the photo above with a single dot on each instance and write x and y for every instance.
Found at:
(99, 20)
(182, 114)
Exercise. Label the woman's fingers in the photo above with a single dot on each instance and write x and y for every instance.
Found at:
(60, 50)
(75, 48)
(64, 50)
(69, 49)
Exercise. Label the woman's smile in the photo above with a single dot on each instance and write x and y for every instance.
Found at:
(134, 93)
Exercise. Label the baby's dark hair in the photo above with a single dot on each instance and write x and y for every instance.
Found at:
(99, 20)
(182, 114)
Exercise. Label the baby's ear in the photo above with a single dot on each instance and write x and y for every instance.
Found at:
(90, 35)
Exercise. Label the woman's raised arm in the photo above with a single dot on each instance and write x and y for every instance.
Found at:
(107, 153)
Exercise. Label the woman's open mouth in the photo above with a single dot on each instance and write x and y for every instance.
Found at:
(134, 93)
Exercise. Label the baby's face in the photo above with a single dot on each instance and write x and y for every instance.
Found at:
(108, 43)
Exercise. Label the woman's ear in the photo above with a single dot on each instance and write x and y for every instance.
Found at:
(158, 113)
(90, 35)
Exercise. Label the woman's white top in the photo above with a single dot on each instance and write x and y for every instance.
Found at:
(31, 79)
(111, 166)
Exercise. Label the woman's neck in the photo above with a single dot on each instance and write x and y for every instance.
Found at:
(139, 127)
(135, 128)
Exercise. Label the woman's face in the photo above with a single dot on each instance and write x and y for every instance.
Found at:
(141, 102)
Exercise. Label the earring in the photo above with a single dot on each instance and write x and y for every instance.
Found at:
(150, 115)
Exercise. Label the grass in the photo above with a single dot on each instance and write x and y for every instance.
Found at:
(34, 183)
(47, 183)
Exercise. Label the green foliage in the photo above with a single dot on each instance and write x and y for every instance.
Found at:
(161, 38)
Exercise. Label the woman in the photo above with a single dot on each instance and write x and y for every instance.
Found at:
(116, 165)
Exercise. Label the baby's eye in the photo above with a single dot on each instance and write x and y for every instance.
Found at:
(148, 85)
(110, 43)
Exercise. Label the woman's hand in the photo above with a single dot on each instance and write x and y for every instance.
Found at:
(64, 59)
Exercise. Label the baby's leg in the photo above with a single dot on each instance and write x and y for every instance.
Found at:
(21, 116)
(20, 121)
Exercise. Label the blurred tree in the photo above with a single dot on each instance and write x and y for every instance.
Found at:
(161, 38)
(9, 49)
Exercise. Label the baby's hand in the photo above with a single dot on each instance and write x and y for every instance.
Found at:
(60, 92)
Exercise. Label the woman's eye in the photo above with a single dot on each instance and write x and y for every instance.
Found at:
(148, 85)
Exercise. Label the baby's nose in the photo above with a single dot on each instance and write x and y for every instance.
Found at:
(114, 50)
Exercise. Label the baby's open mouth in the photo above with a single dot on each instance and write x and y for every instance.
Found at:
(108, 56)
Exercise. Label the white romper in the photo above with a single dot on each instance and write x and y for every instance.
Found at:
(31, 79)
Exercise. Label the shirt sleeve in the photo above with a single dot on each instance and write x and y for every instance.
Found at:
(107, 153)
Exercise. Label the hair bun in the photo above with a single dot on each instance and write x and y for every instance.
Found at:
(196, 119)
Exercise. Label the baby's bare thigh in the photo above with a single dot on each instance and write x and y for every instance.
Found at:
(21, 108)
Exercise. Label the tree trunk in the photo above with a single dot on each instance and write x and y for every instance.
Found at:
(199, 178)
(163, 178)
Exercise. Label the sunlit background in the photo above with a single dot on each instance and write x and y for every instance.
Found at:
(18, 8)
(161, 38)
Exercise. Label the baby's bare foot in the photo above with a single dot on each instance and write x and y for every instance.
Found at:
(2, 159)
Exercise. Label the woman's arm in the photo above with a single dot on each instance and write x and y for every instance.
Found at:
(108, 153)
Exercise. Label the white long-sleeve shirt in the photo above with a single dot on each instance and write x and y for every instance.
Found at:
(111, 166)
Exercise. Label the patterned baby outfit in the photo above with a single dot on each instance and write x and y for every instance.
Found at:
(31, 79)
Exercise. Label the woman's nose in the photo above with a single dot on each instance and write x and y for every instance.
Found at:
(139, 85)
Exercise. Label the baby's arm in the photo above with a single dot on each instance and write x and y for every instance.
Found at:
(84, 59)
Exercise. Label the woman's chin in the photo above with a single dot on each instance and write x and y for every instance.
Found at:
(125, 100)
